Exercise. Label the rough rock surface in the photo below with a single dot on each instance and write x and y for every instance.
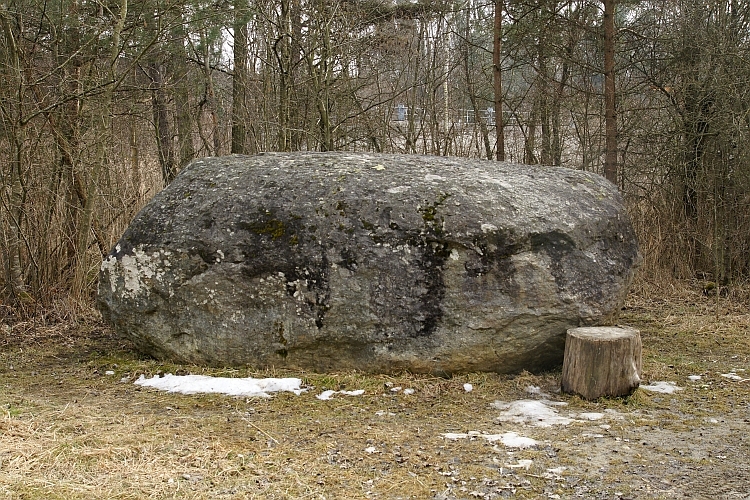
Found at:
(330, 261)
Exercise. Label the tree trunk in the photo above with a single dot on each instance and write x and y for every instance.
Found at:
(543, 96)
(610, 112)
(161, 123)
(13, 243)
(497, 80)
(240, 79)
(478, 121)
(601, 361)
(12, 208)
(321, 77)
(282, 50)
(182, 84)
(296, 117)
(529, 139)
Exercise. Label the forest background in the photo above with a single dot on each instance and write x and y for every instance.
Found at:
(102, 102)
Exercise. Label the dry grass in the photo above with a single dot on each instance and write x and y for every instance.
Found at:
(71, 431)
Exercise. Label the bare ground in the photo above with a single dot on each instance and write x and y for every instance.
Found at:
(69, 430)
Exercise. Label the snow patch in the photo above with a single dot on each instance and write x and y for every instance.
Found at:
(468, 387)
(509, 439)
(591, 416)
(557, 470)
(383, 413)
(527, 411)
(522, 464)
(202, 384)
(734, 376)
(662, 387)
(535, 390)
(326, 395)
(513, 440)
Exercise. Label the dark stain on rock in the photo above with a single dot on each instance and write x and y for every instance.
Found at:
(124, 246)
(385, 217)
(492, 255)
(279, 326)
(207, 222)
(277, 233)
(555, 243)
(433, 258)
(322, 292)
(559, 247)
(206, 253)
(348, 259)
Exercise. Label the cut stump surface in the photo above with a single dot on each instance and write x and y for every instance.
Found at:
(601, 361)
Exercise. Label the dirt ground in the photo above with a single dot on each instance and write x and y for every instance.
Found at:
(73, 425)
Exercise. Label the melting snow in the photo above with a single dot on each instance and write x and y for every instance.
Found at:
(540, 413)
(663, 387)
(522, 464)
(535, 390)
(468, 387)
(694, 378)
(383, 413)
(591, 416)
(734, 376)
(509, 439)
(195, 384)
(326, 395)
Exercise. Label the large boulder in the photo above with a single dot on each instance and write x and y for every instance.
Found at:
(381, 263)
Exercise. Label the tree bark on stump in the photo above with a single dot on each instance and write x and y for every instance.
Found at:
(601, 361)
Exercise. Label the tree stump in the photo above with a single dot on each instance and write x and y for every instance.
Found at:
(601, 361)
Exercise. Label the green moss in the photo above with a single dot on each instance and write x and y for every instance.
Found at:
(273, 228)
(429, 213)
(341, 207)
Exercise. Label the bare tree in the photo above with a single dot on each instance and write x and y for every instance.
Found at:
(497, 45)
(610, 160)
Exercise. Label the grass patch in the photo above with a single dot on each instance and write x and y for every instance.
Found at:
(71, 430)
